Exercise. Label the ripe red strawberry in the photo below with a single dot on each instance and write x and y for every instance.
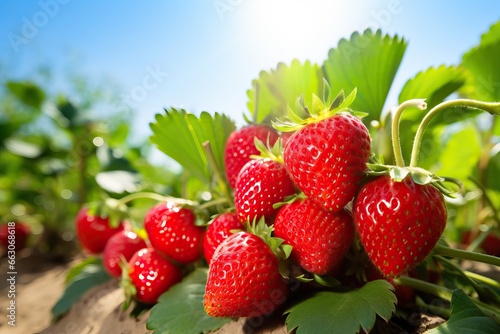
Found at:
(243, 279)
(151, 275)
(123, 244)
(218, 231)
(398, 223)
(240, 146)
(13, 236)
(261, 183)
(319, 238)
(172, 231)
(94, 231)
(327, 155)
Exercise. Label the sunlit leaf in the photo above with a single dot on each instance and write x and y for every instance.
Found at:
(118, 181)
(180, 310)
(368, 61)
(181, 135)
(460, 154)
(483, 81)
(274, 90)
(23, 148)
(347, 312)
(434, 84)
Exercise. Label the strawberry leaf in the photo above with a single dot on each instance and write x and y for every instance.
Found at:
(466, 317)
(481, 63)
(182, 303)
(347, 312)
(83, 277)
(373, 60)
(433, 85)
(274, 90)
(181, 135)
(461, 153)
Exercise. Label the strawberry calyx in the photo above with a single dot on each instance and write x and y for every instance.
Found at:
(263, 231)
(274, 152)
(418, 175)
(129, 289)
(321, 109)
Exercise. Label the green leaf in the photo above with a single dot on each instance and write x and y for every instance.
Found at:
(118, 181)
(27, 92)
(85, 278)
(78, 268)
(347, 312)
(466, 317)
(23, 148)
(492, 36)
(180, 310)
(483, 81)
(434, 85)
(181, 135)
(368, 61)
(493, 170)
(461, 154)
(273, 91)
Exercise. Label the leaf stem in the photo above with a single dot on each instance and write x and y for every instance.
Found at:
(396, 119)
(465, 255)
(444, 293)
(218, 175)
(156, 197)
(490, 107)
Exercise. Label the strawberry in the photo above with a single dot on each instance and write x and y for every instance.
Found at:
(243, 278)
(327, 155)
(240, 146)
(218, 231)
(490, 244)
(319, 238)
(261, 183)
(172, 231)
(398, 222)
(94, 231)
(151, 275)
(13, 236)
(121, 245)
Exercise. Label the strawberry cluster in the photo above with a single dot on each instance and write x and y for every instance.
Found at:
(148, 265)
(306, 198)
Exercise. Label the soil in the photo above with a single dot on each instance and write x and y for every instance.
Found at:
(40, 283)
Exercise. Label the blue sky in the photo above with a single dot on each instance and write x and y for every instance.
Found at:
(203, 55)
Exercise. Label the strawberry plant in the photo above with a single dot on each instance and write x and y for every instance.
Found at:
(328, 228)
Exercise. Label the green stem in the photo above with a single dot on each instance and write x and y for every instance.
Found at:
(491, 107)
(444, 293)
(156, 197)
(483, 279)
(212, 203)
(396, 118)
(220, 179)
(433, 289)
(439, 311)
(461, 254)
